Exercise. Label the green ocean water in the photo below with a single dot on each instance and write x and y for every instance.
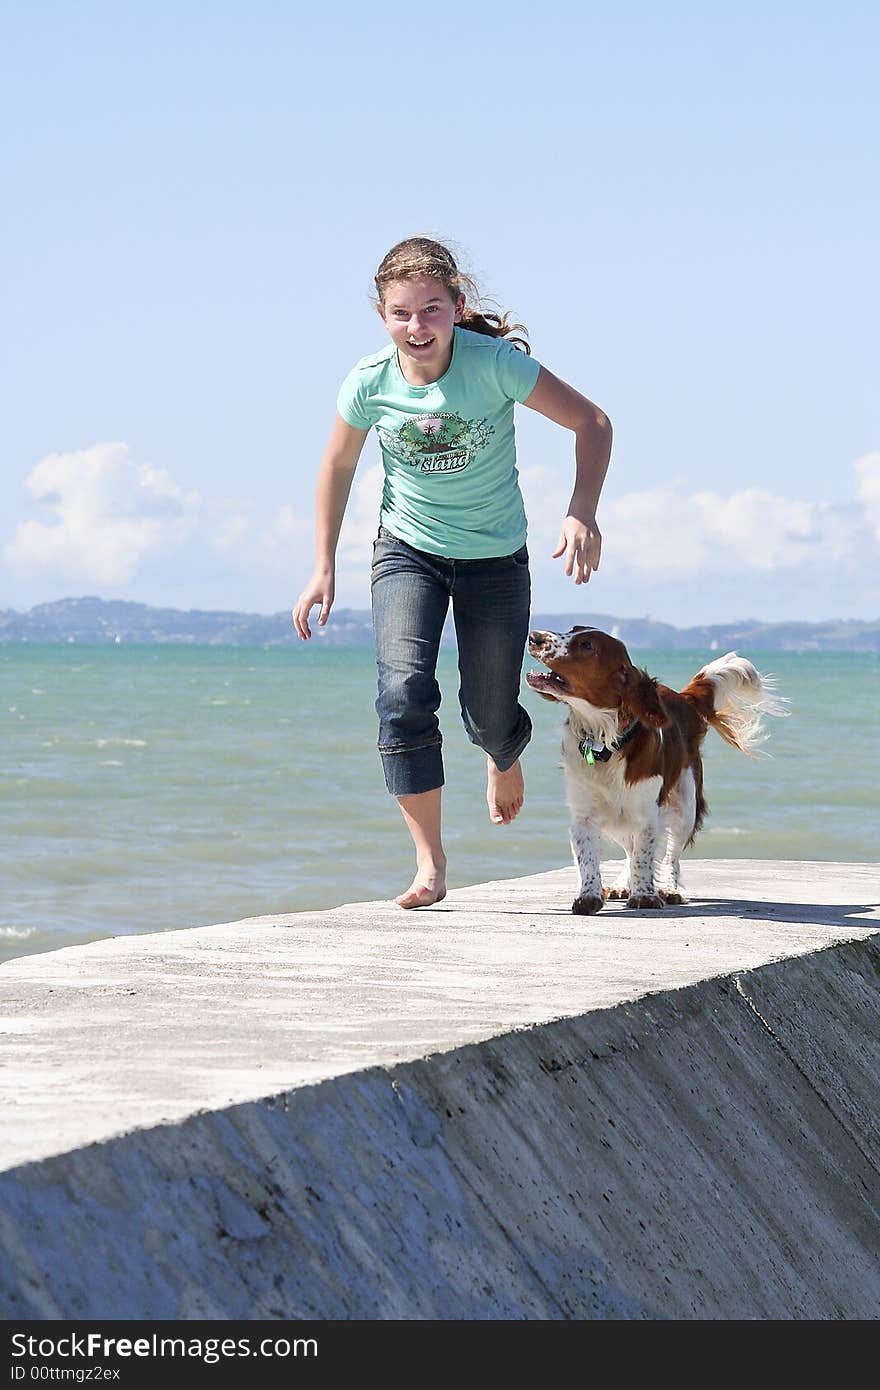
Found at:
(153, 787)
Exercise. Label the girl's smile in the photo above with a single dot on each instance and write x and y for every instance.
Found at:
(420, 315)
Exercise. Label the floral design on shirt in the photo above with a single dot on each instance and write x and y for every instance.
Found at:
(442, 443)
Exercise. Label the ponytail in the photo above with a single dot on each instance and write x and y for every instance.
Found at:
(494, 326)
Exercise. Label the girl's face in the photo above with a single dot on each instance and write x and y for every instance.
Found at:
(420, 316)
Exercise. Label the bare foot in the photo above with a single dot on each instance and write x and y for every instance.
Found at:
(505, 792)
(428, 886)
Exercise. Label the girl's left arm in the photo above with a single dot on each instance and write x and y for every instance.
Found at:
(579, 537)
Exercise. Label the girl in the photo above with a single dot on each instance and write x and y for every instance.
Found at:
(441, 396)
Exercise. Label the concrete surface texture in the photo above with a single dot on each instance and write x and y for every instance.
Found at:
(489, 1108)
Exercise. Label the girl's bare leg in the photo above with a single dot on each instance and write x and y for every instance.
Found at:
(422, 815)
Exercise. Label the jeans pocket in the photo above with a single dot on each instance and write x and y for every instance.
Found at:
(385, 544)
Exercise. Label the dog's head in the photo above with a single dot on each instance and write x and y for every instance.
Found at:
(588, 668)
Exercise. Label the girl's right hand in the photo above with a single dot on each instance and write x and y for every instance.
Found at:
(321, 589)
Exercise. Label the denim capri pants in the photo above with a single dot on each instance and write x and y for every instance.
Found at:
(411, 590)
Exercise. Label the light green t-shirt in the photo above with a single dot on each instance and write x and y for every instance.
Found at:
(451, 484)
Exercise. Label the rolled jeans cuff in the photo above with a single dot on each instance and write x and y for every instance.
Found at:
(507, 756)
(410, 771)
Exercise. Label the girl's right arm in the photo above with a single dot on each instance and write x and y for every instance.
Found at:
(335, 477)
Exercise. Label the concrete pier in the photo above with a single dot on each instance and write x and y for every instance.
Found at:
(486, 1109)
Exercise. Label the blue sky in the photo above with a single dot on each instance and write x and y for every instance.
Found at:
(679, 202)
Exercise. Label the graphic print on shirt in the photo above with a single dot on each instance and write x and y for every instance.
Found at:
(443, 443)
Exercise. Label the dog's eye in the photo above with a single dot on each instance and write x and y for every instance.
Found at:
(585, 646)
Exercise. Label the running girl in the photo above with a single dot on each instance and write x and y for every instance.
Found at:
(452, 527)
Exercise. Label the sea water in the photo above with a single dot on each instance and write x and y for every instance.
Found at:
(153, 787)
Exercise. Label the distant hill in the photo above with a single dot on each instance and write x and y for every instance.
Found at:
(114, 620)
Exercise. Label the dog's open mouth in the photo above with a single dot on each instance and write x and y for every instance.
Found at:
(546, 682)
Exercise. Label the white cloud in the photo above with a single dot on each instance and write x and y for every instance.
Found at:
(284, 546)
(694, 555)
(289, 537)
(110, 513)
(362, 516)
(756, 531)
(689, 555)
(669, 534)
(231, 531)
(867, 470)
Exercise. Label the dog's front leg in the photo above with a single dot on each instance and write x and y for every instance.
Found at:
(585, 848)
(642, 892)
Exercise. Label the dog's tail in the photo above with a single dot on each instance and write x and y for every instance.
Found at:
(734, 698)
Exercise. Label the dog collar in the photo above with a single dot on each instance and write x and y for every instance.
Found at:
(599, 753)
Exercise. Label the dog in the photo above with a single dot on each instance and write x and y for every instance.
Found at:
(631, 755)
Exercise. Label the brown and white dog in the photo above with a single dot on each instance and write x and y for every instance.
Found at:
(631, 755)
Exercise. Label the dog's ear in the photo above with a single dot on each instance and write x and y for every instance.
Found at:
(639, 694)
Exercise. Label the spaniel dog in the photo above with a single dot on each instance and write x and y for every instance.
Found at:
(631, 755)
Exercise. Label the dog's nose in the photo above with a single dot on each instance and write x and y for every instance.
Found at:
(537, 639)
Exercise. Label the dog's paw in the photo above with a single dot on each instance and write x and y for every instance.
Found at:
(671, 898)
(638, 902)
(614, 894)
(585, 907)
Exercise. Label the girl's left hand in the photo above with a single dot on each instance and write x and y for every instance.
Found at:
(581, 543)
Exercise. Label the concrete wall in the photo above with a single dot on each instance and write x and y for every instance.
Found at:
(705, 1152)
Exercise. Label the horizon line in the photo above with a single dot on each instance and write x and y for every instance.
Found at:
(366, 612)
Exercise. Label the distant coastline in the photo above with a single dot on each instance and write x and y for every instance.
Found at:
(97, 620)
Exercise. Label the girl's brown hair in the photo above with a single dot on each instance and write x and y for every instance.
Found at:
(418, 255)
